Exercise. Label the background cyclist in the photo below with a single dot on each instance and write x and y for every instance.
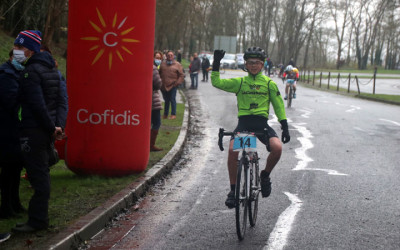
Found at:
(291, 73)
(254, 94)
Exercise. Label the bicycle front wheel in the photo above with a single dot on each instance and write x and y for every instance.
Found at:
(241, 199)
(290, 96)
(254, 190)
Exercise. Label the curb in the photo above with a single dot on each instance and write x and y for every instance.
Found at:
(89, 225)
(377, 100)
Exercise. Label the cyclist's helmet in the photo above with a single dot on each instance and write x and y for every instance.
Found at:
(255, 52)
(289, 68)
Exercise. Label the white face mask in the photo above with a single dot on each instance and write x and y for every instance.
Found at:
(19, 56)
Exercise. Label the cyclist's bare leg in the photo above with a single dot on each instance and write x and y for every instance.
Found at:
(287, 89)
(294, 87)
(232, 163)
(275, 154)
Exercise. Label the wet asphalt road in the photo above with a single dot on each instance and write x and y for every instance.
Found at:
(336, 187)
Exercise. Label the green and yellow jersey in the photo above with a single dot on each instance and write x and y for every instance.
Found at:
(254, 94)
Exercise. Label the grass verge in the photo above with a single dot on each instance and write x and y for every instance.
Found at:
(394, 99)
(73, 196)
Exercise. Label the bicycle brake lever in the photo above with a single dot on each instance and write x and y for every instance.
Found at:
(220, 135)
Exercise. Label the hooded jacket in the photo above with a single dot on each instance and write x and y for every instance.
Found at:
(42, 101)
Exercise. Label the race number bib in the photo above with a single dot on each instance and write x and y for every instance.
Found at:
(244, 141)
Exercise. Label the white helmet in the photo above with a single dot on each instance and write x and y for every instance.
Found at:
(289, 68)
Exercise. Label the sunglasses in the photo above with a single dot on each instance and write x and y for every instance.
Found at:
(251, 63)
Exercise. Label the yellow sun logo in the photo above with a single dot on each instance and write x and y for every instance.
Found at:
(111, 39)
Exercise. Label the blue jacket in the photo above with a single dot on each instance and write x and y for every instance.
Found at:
(9, 122)
(42, 101)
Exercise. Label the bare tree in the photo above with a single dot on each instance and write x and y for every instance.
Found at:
(339, 12)
(366, 25)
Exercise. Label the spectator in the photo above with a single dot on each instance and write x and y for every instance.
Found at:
(63, 83)
(194, 71)
(171, 74)
(179, 56)
(41, 122)
(281, 69)
(291, 62)
(158, 58)
(205, 64)
(270, 65)
(266, 67)
(11, 162)
(156, 104)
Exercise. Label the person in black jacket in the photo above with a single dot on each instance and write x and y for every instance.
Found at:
(205, 64)
(42, 117)
(194, 70)
(10, 152)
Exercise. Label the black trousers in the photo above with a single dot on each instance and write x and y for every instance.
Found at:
(11, 165)
(36, 150)
(205, 75)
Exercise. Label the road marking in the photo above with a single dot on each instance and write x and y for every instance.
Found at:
(353, 108)
(395, 123)
(363, 130)
(306, 113)
(278, 237)
(301, 154)
(306, 144)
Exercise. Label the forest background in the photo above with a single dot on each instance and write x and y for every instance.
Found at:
(356, 34)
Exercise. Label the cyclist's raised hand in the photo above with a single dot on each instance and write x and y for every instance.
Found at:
(285, 131)
(218, 55)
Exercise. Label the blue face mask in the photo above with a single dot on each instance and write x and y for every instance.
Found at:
(169, 62)
(157, 61)
(17, 65)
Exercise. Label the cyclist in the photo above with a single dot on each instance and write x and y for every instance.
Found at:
(254, 94)
(291, 73)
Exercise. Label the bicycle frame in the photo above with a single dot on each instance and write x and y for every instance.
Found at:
(246, 195)
(290, 94)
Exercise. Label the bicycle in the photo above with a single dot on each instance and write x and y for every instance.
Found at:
(290, 95)
(248, 179)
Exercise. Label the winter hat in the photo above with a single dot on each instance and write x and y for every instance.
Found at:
(30, 39)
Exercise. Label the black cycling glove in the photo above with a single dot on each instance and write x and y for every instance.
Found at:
(285, 131)
(218, 55)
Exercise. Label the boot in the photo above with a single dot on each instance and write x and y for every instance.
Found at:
(153, 137)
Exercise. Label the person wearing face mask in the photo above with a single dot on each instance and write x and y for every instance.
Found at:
(158, 57)
(156, 103)
(254, 94)
(172, 76)
(11, 162)
(42, 116)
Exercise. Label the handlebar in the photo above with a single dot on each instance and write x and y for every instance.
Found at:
(222, 133)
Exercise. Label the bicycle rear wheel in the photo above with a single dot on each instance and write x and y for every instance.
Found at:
(241, 201)
(290, 96)
(254, 191)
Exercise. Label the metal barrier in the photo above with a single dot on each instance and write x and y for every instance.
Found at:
(336, 80)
